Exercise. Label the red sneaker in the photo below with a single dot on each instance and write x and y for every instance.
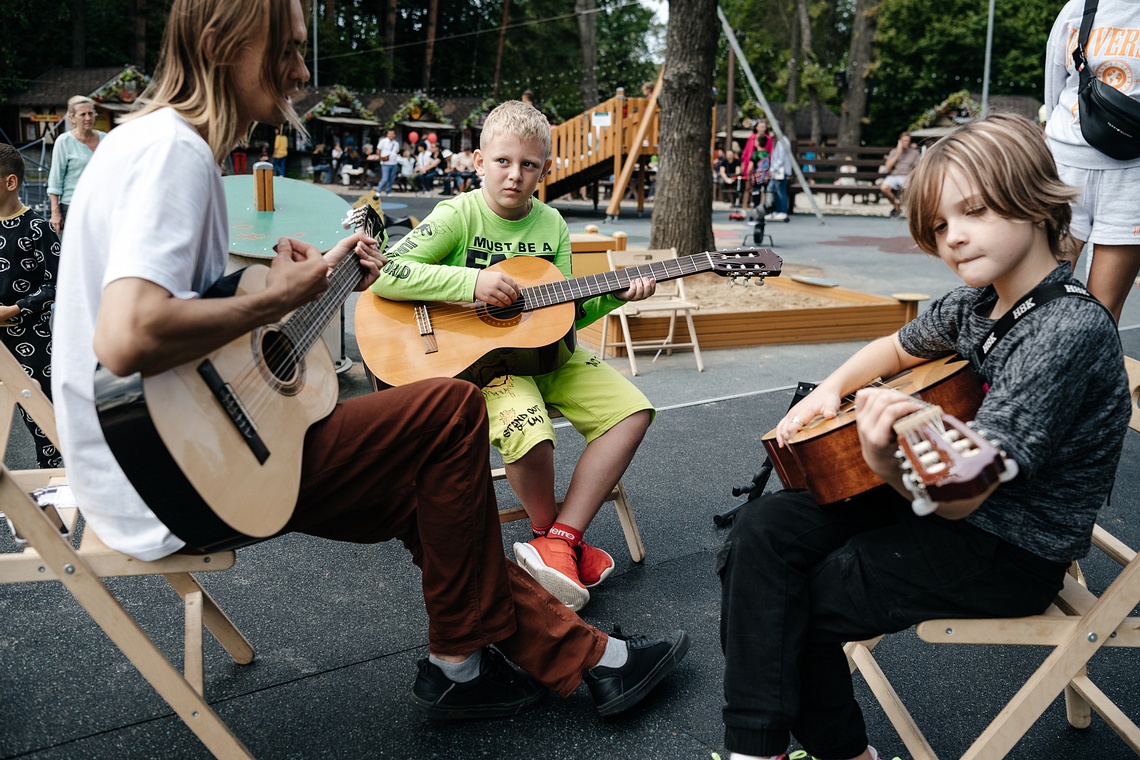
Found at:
(593, 564)
(552, 563)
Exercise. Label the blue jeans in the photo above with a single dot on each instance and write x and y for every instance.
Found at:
(798, 580)
(279, 166)
(780, 194)
(387, 177)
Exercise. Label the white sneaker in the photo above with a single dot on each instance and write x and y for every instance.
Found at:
(779, 217)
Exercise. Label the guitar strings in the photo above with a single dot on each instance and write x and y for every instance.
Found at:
(447, 313)
(300, 331)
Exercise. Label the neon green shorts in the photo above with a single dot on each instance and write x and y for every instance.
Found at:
(589, 393)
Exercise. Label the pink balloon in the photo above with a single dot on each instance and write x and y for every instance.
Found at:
(432, 138)
(413, 137)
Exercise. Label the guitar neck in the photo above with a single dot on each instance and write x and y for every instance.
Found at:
(580, 288)
(306, 324)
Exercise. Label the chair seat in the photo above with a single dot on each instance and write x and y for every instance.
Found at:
(652, 307)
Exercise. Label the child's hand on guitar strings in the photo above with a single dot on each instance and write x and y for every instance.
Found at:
(495, 288)
(876, 412)
(639, 289)
(822, 402)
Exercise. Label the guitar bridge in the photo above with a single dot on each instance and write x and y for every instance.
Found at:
(427, 332)
(235, 410)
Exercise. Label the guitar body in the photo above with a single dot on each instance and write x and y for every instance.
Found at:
(470, 341)
(214, 483)
(825, 456)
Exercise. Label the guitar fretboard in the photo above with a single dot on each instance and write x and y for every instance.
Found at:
(580, 288)
(307, 322)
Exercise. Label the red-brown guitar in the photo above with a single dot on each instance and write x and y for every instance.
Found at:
(944, 459)
(825, 456)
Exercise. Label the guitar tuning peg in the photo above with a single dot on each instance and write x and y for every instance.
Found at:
(732, 281)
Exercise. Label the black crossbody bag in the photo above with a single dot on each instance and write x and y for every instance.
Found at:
(1110, 120)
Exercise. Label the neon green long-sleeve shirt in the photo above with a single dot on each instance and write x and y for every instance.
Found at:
(465, 235)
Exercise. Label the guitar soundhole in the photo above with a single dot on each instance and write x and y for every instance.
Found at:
(279, 365)
(501, 316)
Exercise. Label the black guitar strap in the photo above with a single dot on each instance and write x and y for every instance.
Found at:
(1029, 303)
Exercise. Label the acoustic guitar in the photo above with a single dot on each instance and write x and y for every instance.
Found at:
(214, 446)
(825, 456)
(405, 341)
(944, 459)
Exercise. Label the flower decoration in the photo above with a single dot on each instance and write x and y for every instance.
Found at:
(123, 88)
(417, 107)
(339, 95)
(959, 108)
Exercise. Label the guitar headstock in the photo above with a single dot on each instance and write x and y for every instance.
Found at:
(945, 459)
(746, 263)
(368, 221)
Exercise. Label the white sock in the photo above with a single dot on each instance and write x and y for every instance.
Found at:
(460, 672)
(616, 654)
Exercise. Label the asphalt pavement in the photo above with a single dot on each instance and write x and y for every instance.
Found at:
(338, 627)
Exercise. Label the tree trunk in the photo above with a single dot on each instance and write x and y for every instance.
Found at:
(138, 34)
(390, 43)
(807, 55)
(682, 209)
(858, 66)
(433, 20)
(791, 97)
(78, 34)
(499, 54)
(588, 36)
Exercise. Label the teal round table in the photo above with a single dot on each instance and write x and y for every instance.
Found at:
(303, 211)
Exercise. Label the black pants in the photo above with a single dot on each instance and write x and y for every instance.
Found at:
(30, 342)
(799, 580)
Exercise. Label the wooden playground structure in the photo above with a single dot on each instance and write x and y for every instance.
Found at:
(616, 137)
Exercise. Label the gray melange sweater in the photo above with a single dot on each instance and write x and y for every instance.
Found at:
(1058, 403)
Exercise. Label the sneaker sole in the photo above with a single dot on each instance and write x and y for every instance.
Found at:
(564, 589)
(666, 666)
(475, 712)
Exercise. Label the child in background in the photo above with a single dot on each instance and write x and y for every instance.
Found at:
(469, 234)
(799, 579)
(29, 256)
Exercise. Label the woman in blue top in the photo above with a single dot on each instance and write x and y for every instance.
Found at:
(73, 149)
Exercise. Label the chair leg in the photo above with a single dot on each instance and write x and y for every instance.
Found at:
(214, 618)
(605, 333)
(667, 345)
(628, 342)
(192, 665)
(693, 340)
(859, 655)
(628, 523)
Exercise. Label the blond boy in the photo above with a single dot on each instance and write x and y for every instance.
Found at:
(473, 232)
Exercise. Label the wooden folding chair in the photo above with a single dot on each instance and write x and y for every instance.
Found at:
(669, 299)
(48, 555)
(618, 496)
(1076, 625)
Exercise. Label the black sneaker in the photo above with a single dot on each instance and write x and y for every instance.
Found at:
(498, 692)
(650, 660)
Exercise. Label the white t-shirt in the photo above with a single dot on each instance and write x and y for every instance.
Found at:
(389, 148)
(149, 205)
(1114, 58)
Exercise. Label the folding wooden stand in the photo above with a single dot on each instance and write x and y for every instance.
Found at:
(50, 556)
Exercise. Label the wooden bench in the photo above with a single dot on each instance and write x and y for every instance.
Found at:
(837, 170)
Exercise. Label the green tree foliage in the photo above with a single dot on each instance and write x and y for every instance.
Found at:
(541, 52)
(927, 51)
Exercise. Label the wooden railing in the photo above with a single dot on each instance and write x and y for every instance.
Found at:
(585, 141)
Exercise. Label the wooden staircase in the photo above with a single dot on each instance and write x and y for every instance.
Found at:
(587, 149)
